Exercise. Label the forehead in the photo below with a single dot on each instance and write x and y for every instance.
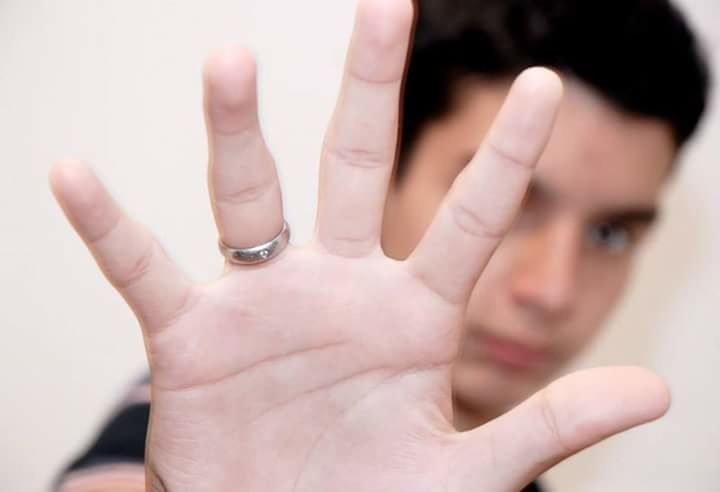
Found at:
(598, 157)
(601, 156)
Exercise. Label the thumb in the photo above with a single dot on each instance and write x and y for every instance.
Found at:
(568, 416)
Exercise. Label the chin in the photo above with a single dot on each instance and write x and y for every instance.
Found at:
(492, 391)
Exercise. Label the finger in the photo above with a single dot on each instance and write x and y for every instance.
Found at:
(243, 182)
(485, 197)
(359, 149)
(568, 416)
(131, 259)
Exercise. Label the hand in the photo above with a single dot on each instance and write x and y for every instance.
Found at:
(328, 368)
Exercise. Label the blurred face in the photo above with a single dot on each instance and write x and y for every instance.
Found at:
(564, 264)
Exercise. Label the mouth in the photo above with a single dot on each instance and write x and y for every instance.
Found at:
(506, 353)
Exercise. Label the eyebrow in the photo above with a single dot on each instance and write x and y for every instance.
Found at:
(637, 215)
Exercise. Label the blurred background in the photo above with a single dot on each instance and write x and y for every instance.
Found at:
(118, 84)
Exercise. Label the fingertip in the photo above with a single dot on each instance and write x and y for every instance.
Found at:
(622, 396)
(230, 55)
(66, 174)
(229, 74)
(654, 390)
(540, 83)
(81, 195)
(643, 383)
(387, 19)
(382, 37)
(665, 399)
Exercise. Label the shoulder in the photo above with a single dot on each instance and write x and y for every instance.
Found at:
(116, 454)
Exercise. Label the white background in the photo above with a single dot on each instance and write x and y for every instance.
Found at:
(118, 84)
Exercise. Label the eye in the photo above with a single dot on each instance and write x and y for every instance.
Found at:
(615, 238)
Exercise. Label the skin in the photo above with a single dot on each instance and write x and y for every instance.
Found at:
(566, 260)
(330, 367)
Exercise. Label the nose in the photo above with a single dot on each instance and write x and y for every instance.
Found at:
(544, 279)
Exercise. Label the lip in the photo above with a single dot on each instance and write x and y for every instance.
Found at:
(508, 353)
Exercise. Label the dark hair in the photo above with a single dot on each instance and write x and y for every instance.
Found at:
(641, 55)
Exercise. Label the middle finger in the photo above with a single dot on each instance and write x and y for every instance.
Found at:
(359, 150)
(483, 201)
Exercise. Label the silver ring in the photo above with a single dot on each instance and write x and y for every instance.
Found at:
(257, 254)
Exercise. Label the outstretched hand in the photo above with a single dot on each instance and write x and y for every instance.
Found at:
(329, 367)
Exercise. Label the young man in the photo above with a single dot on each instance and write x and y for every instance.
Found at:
(635, 89)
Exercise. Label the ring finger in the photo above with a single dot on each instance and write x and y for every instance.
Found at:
(242, 178)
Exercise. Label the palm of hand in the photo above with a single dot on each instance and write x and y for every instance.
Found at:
(364, 335)
(328, 367)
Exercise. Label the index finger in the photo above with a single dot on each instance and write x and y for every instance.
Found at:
(483, 201)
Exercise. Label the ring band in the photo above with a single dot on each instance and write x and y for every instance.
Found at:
(257, 254)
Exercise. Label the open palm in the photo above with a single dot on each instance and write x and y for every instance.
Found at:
(329, 367)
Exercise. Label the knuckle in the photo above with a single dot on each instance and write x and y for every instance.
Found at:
(246, 194)
(474, 224)
(505, 154)
(353, 247)
(98, 237)
(550, 421)
(357, 157)
(137, 269)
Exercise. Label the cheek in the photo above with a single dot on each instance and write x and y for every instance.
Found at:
(419, 210)
(601, 286)
(406, 221)
(492, 284)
